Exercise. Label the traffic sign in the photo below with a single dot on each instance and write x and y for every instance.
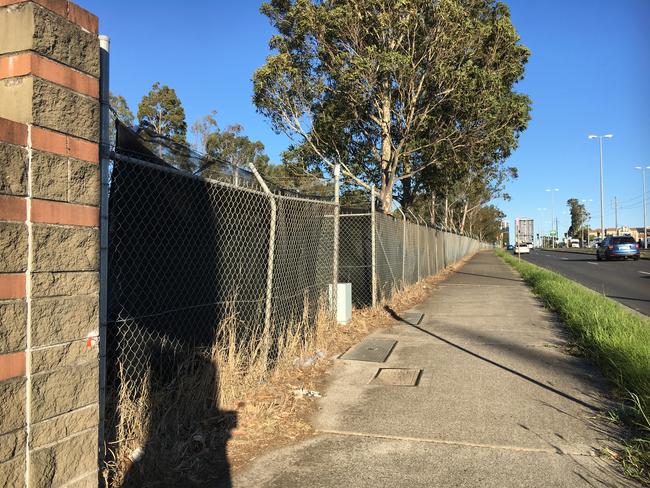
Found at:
(553, 233)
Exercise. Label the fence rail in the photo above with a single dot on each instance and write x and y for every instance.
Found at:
(187, 253)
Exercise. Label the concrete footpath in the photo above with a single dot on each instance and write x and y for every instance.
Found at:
(499, 402)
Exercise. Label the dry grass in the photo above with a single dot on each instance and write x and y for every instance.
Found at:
(239, 394)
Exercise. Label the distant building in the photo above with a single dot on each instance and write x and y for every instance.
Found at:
(636, 232)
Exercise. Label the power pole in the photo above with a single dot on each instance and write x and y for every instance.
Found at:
(616, 214)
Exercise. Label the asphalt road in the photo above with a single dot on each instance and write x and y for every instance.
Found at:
(625, 281)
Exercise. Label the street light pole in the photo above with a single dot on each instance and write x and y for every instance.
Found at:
(541, 227)
(602, 201)
(645, 223)
(552, 190)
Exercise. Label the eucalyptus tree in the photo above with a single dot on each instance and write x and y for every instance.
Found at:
(388, 89)
(579, 217)
(162, 110)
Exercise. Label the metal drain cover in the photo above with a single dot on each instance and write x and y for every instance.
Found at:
(396, 377)
(373, 350)
(412, 318)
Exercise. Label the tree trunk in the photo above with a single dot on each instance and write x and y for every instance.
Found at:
(446, 213)
(432, 209)
(408, 196)
(386, 194)
(387, 176)
(462, 223)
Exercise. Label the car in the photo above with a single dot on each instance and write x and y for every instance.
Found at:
(521, 249)
(510, 247)
(530, 245)
(618, 247)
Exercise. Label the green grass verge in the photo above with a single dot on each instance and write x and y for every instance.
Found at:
(616, 338)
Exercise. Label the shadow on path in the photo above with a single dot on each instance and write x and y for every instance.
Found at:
(488, 276)
(494, 363)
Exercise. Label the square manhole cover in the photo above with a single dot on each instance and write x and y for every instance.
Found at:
(396, 377)
(373, 350)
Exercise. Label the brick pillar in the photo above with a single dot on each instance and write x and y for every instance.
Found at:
(49, 243)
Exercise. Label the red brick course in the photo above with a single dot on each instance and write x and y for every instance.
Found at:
(65, 145)
(68, 10)
(12, 365)
(13, 209)
(13, 132)
(48, 212)
(31, 63)
(12, 285)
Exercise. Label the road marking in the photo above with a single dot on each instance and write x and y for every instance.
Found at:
(595, 264)
(565, 259)
(644, 272)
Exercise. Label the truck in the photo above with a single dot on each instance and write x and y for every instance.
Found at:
(572, 242)
(524, 231)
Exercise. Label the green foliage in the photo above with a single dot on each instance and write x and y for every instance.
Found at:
(617, 339)
(486, 223)
(579, 217)
(409, 96)
(163, 112)
(232, 146)
(121, 107)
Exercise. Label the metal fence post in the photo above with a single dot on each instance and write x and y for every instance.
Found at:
(105, 149)
(269, 269)
(417, 228)
(373, 238)
(426, 242)
(403, 243)
(337, 216)
(435, 247)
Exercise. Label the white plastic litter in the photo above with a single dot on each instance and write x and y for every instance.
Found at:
(306, 393)
(137, 454)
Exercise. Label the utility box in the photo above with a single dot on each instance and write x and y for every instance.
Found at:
(343, 302)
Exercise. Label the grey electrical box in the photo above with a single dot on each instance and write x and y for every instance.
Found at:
(343, 302)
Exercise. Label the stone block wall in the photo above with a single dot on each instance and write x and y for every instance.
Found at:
(49, 244)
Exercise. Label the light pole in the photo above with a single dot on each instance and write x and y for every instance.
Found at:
(586, 201)
(645, 223)
(552, 191)
(602, 204)
(541, 226)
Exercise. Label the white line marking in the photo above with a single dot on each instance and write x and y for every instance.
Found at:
(595, 264)
(644, 272)
(565, 259)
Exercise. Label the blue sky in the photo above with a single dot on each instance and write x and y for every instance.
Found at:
(589, 73)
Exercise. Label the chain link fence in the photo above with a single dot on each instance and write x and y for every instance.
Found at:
(187, 253)
(404, 253)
